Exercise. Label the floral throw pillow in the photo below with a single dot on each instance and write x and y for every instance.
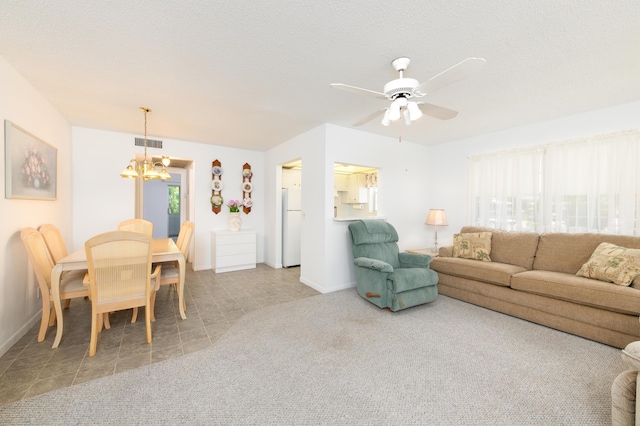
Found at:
(612, 264)
(474, 245)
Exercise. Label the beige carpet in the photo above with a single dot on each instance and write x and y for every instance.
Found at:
(336, 359)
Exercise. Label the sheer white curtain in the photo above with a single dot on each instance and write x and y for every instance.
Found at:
(593, 185)
(586, 185)
(506, 189)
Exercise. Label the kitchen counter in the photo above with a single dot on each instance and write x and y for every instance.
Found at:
(353, 219)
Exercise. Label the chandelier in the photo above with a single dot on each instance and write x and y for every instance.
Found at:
(147, 168)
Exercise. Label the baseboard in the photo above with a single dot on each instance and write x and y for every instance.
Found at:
(201, 267)
(324, 290)
(273, 265)
(22, 331)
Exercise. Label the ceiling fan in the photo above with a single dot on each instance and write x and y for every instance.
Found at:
(402, 91)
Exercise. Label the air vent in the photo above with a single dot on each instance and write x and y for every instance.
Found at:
(150, 143)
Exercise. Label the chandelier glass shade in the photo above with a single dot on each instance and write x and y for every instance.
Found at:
(147, 168)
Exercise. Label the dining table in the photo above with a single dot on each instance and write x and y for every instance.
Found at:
(164, 250)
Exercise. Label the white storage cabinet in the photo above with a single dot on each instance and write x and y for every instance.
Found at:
(233, 251)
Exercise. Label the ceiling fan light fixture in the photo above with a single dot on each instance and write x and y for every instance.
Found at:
(395, 110)
(407, 117)
(386, 121)
(414, 111)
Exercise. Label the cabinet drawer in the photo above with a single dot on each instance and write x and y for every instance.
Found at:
(235, 249)
(223, 240)
(241, 259)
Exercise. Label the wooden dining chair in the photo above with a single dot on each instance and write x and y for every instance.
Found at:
(54, 241)
(170, 273)
(57, 249)
(184, 231)
(137, 225)
(70, 284)
(119, 277)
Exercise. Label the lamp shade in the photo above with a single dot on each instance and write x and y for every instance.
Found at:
(436, 217)
(130, 171)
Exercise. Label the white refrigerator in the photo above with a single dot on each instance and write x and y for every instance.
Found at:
(291, 225)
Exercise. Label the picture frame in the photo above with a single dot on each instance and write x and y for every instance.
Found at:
(31, 165)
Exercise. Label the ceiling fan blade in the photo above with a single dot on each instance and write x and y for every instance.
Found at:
(437, 111)
(369, 117)
(358, 90)
(451, 75)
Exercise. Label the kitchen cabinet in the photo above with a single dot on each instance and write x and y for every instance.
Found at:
(291, 178)
(357, 191)
(233, 250)
(340, 182)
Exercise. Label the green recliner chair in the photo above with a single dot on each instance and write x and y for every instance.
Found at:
(386, 277)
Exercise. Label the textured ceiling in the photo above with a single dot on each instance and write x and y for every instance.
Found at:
(253, 74)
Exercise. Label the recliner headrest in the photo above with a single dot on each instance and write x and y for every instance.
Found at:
(372, 231)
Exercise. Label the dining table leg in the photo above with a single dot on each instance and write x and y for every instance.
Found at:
(181, 280)
(56, 274)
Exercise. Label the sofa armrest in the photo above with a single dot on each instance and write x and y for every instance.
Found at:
(375, 264)
(446, 251)
(414, 260)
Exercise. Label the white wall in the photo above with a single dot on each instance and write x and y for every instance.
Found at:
(101, 203)
(448, 163)
(326, 250)
(403, 191)
(21, 104)
(309, 147)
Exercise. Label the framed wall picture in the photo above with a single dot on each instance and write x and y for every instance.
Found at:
(31, 165)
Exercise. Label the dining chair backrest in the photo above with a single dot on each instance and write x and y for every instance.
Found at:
(39, 256)
(137, 225)
(119, 277)
(55, 243)
(119, 269)
(182, 233)
(184, 238)
(69, 286)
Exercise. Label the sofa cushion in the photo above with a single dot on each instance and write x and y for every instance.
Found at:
(631, 355)
(515, 248)
(584, 291)
(561, 252)
(473, 245)
(490, 272)
(613, 264)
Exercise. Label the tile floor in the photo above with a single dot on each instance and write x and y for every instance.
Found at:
(214, 303)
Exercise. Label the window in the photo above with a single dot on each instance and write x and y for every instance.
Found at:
(174, 199)
(587, 185)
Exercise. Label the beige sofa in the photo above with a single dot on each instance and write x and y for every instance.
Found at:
(532, 277)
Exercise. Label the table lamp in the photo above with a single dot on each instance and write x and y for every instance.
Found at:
(436, 217)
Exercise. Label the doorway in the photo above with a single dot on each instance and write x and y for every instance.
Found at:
(153, 201)
(291, 214)
(162, 206)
